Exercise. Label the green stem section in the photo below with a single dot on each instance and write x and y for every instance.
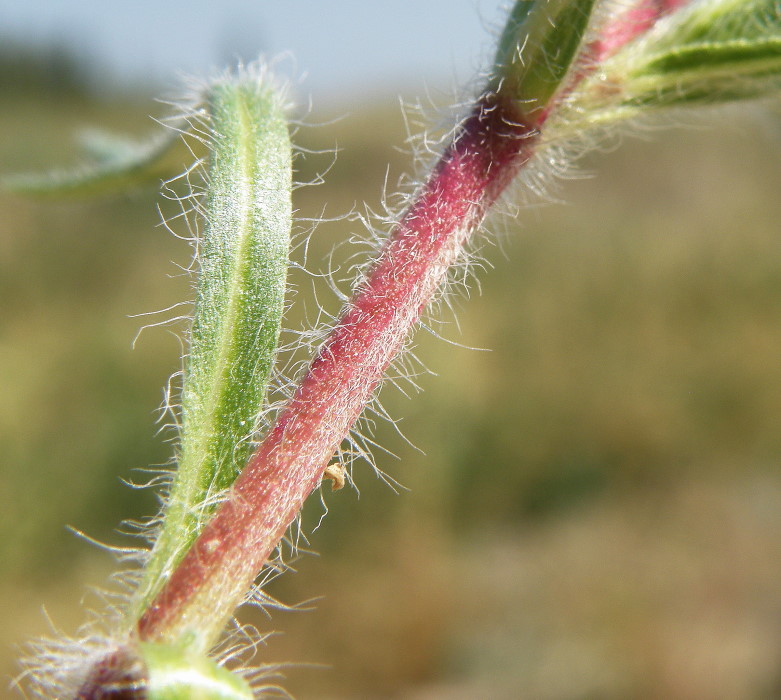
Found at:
(243, 255)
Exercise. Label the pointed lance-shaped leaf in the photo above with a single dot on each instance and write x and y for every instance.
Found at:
(243, 255)
(112, 164)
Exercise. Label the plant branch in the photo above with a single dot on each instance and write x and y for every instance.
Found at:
(212, 579)
(489, 149)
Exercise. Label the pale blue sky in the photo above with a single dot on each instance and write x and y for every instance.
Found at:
(342, 46)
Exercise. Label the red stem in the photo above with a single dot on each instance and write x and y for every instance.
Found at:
(483, 159)
(635, 22)
(492, 145)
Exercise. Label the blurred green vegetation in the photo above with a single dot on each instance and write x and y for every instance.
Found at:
(597, 512)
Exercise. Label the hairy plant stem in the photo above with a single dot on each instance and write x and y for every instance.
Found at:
(489, 149)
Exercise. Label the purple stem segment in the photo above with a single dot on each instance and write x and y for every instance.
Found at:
(489, 149)
(634, 22)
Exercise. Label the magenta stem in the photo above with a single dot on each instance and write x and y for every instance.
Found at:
(491, 146)
(634, 22)
(486, 154)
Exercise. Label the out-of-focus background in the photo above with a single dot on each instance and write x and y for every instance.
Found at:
(595, 508)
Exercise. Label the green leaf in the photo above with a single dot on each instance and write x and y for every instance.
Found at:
(243, 256)
(708, 72)
(112, 164)
(537, 47)
(705, 53)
